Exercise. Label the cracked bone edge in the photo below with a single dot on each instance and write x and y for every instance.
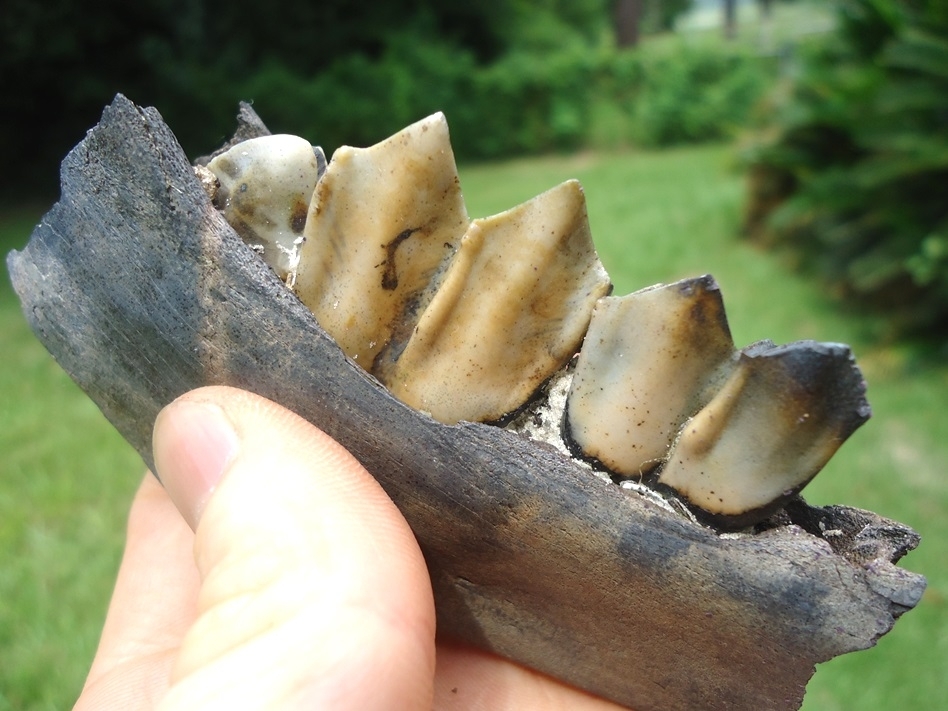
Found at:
(382, 225)
(266, 184)
(650, 361)
(781, 415)
(510, 312)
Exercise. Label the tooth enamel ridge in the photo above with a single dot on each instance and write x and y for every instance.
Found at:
(382, 225)
(511, 311)
(474, 320)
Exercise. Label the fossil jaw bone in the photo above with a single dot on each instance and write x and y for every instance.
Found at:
(528, 558)
(467, 320)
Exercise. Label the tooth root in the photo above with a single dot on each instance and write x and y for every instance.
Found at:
(511, 311)
(649, 362)
(772, 427)
(382, 224)
(266, 184)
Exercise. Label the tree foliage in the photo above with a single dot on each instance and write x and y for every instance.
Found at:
(852, 174)
(524, 71)
(61, 60)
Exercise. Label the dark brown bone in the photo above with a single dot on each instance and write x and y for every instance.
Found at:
(142, 292)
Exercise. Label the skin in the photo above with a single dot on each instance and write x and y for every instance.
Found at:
(272, 571)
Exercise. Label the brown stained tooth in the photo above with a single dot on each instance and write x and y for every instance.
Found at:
(265, 189)
(383, 222)
(651, 359)
(511, 311)
(776, 422)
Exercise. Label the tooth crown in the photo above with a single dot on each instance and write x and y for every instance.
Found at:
(469, 320)
(779, 418)
(649, 362)
(265, 188)
(511, 311)
(382, 224)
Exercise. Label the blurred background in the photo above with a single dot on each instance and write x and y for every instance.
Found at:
(797, 150)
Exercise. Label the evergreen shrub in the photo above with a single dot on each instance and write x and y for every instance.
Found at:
(850, 173)
(526, 102)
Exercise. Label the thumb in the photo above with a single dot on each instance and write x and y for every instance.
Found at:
(314, 593)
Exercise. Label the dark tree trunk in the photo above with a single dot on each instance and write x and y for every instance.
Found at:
(766, 8)
(730, 19)
(627, 15)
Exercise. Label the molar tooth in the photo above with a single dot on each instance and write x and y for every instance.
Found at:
(510, 311)
(466, 321)
(265, 188)
(382, 224)
(649, 361)
(776, 422)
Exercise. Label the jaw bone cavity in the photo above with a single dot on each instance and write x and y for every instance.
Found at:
(469, 320)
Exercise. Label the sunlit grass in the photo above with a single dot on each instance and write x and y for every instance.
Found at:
(65, 481)
(66, 477)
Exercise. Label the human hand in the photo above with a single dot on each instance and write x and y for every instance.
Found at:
(301, 585)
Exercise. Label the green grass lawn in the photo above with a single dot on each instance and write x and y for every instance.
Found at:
(66, 477)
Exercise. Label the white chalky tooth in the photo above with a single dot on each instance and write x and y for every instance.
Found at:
(383, 222)
(266, 185)
(650, 360)
(776, 422)
(510, 311)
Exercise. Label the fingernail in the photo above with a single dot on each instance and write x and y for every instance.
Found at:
(193, 443)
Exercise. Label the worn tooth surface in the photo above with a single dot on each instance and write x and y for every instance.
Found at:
(648, 363)
(511, 310)
(265, 189)
(775, 423)
(382, 224)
